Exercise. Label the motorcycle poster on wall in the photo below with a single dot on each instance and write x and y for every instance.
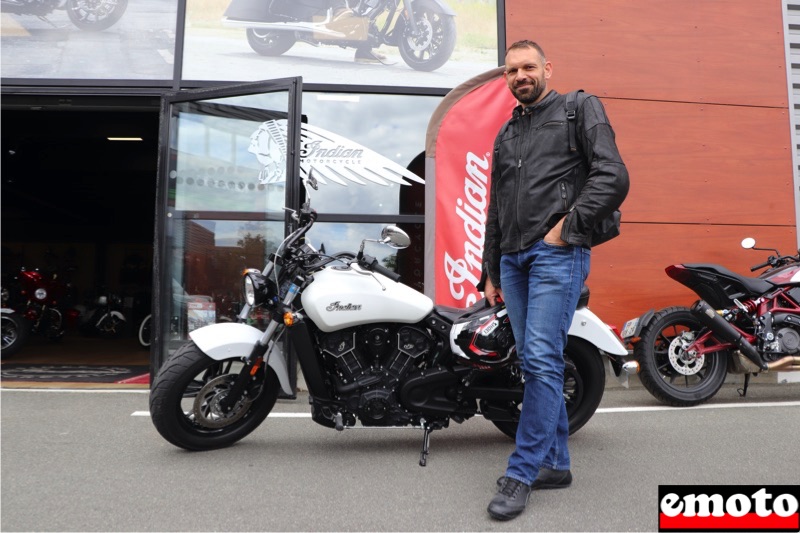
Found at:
(421, 43)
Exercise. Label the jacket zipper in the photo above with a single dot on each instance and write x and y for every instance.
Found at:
(563, 187)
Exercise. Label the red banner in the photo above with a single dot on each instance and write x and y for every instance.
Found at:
(460, 139)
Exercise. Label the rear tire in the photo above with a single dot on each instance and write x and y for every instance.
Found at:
(584, 385)
(666, 371)
(145, 332)
(185, 395)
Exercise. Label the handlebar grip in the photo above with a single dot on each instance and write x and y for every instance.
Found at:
(374, 266)
(759, 267)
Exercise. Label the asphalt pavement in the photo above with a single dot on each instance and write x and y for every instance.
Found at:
(92, 461)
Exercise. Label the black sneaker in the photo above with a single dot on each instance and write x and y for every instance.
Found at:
(547, 479)
(510, 500)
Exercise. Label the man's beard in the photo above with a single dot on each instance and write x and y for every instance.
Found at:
(528, 98)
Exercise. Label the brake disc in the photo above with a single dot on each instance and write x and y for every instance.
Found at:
(683, 361)
(207, 410)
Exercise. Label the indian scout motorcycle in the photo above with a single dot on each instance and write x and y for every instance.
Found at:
(741, 325)
(371, 349)
(424, 31)
(89, 15)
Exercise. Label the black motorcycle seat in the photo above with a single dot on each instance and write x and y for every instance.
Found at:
(751, 285)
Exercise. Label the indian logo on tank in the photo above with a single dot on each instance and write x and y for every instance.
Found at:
(338, 306)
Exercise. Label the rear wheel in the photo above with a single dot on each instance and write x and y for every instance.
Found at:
(270, 43)
(584, 384)
(670, 373)
(186, 394)
(144, 332)
(95, 15)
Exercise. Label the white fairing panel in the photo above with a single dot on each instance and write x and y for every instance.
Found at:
(341, 298)
(231, 339)
(588, 326)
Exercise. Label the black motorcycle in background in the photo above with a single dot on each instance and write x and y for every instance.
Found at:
(88, 15)
(424, 31)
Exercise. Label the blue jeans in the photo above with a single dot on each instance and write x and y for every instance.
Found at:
(541, 286)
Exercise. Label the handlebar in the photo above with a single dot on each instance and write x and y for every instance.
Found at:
(370, 263)
(775, 262)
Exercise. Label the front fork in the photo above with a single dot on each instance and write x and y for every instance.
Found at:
(254, 361)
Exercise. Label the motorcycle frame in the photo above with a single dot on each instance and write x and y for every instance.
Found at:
(768, 305)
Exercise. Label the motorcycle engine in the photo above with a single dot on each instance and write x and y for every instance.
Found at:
(368, 363)
(787, 341)
(782, 336)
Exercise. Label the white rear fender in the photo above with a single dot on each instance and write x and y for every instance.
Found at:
(588, 326)
(229, 339)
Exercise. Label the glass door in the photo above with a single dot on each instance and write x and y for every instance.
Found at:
(228, 165)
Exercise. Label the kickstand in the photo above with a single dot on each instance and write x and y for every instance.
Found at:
(743, 391)
(426, 441)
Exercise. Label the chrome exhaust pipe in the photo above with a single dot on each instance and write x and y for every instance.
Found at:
(722, 329)
(790, 362)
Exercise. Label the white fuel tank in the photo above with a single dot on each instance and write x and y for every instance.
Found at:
(341, 298)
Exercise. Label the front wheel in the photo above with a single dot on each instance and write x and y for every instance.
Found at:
(584, 384)
(670, 373)
(186, 394)
(14, 332)
(432, 44)
(95, 15)
(144, 332)
(270, 43)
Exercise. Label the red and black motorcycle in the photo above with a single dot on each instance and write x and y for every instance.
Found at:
(32, 304)
(741, 325)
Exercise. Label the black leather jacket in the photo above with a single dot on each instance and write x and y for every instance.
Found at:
(537, 180)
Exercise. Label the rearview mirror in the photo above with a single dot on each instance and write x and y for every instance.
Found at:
(395, 237)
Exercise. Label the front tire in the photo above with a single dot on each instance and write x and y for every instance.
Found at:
(185, 396)
(584, 384)
(270, 43)
(670, 374)
(15, 331)
(434, 42)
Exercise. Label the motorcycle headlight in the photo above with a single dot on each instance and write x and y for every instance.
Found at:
(40, 294)
(254, 287)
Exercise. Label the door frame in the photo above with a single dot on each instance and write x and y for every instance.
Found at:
(161, 283)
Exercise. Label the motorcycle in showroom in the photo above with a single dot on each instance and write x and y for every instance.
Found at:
(104, 317)
(32, 304)
(741, 325)
(14, 330)
(423, 31)
(371, 350)
(88, 15)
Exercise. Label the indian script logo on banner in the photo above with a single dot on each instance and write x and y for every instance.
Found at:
(329, 156)
(463, 163)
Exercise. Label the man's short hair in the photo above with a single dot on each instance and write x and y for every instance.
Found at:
(525, 43)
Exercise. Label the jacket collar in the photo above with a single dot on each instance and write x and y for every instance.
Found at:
(544, 102)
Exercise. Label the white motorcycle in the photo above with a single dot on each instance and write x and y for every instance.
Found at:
(371, 350)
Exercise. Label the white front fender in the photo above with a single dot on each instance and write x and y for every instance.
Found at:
(588, 326)
(230, 339)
